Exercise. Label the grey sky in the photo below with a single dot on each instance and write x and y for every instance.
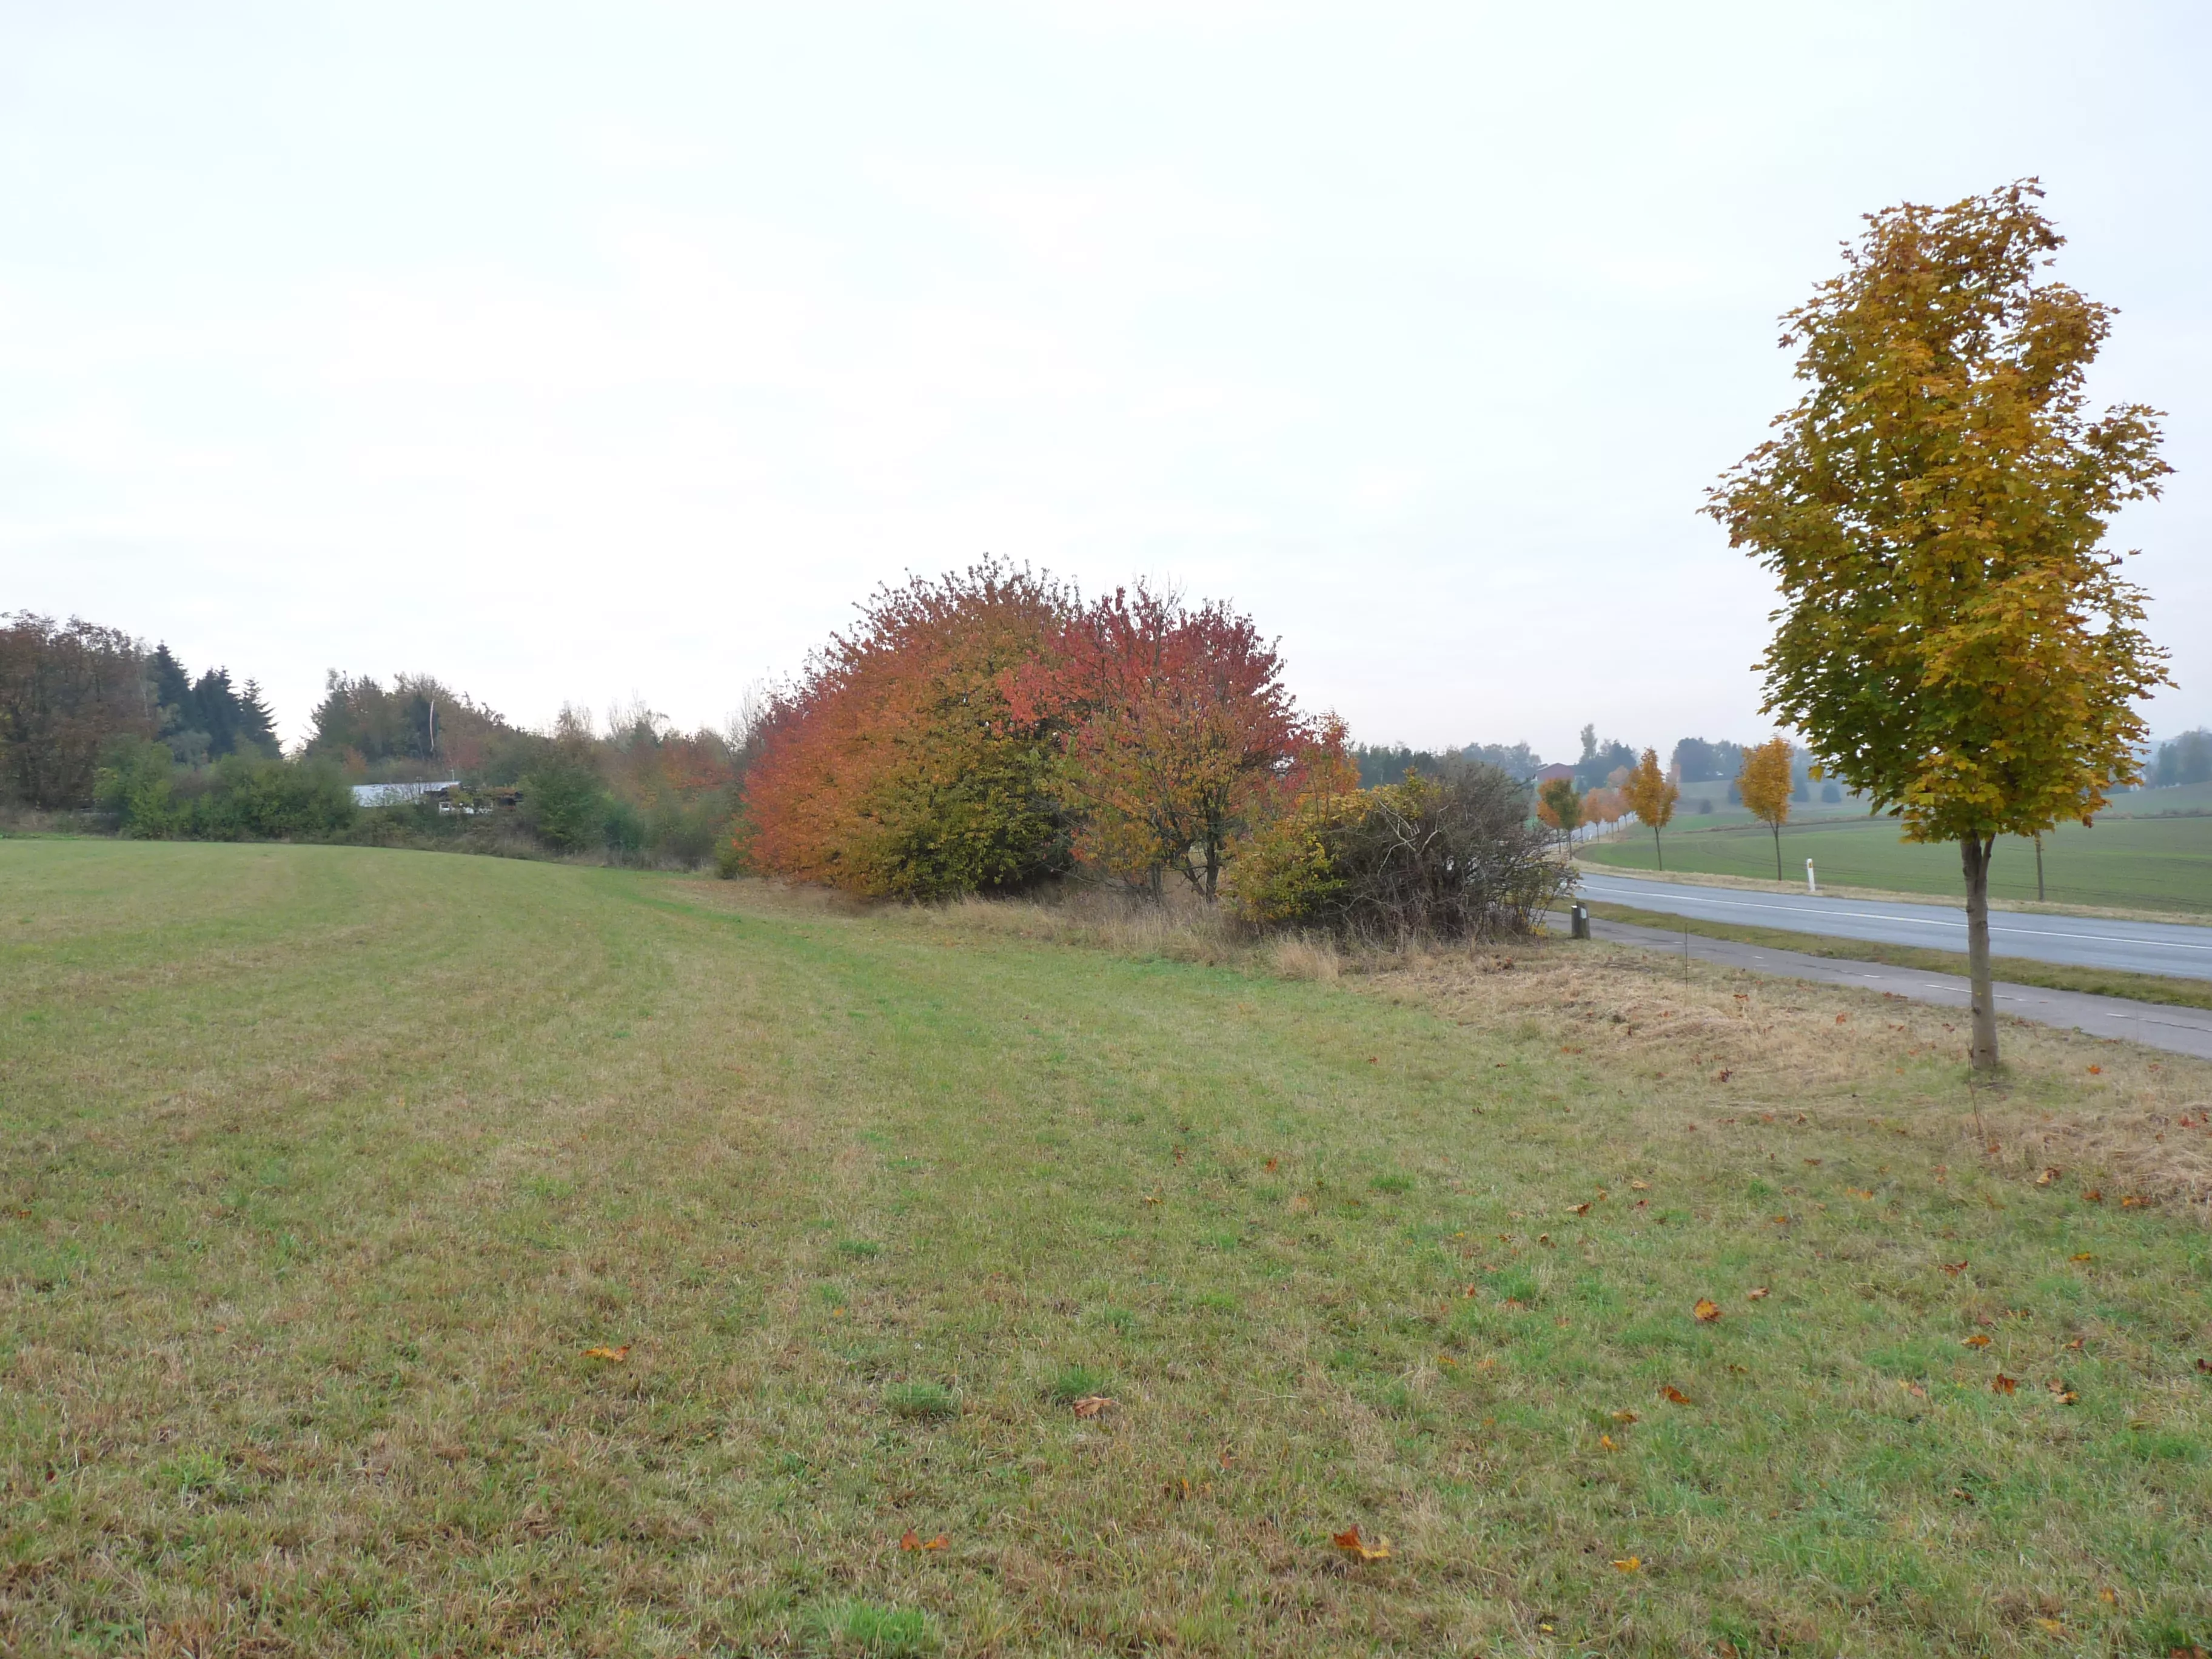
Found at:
(570, 353)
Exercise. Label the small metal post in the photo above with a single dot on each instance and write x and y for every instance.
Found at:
(1578, 921)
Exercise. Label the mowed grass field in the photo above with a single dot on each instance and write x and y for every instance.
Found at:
(2142, 863)
(322, 1171)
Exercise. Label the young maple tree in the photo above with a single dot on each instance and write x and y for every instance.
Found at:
(1954, 639)
(1177, 731)
(895, 766)
(1651, 795)
(1558, 805)
(1765, 784)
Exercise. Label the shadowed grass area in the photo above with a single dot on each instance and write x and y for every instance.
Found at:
(322, 1169)
(2018, 971)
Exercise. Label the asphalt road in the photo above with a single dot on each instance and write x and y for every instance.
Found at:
(2176, 949)
(2177, 1030)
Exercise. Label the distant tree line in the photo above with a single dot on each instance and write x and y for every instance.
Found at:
(2186, 759)
(92, 721)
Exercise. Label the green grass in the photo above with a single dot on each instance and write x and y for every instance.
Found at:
(2019, 970)
(320, 1169)
(2148, 863)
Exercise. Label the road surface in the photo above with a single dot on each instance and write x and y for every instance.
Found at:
(2177, 1030)
(2176, 949)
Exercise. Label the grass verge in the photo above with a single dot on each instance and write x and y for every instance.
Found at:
(2018, 971)
(404, 1254)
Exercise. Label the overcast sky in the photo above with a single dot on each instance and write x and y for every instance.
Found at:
(574, 353)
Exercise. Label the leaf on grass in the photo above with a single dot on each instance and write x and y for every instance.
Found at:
(2049, 1175)
(1915, 1389)
(1778, 1220)
(1628, 1564)
(2096, 1070)
(613, 1355)
(1977, 1341)
(1841, 1018)
(2132, 1200)
(2003, 1384)
(2083, 1256)
(2095, 1195)
(1723, 1075)
(911, 1540)
(1359, 1548)
(1272, 1163)
(1674, 1394)
(1858, 1192)
(1626, 1417)
(1641, 1185)
(2204, 1365)
(1758, 1293)
(1707, 1309)
(1608, 1443)
(2064, 1396)
(1954, 1268)
(1578, 1209)
(1094, 1405)
(2075, 1347)
(1813, 1163)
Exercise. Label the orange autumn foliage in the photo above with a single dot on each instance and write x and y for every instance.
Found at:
(895, 766)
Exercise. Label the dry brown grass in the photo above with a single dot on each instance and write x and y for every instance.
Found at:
(2141, 1116)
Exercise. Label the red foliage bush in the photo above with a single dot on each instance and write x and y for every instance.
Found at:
(895, 766)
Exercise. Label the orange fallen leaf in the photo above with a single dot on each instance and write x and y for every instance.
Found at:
(2065, 1395)
(1841, 1019)
(1859, 1192)
(1915, 1389)
(2082, 1256)
(1271, 1163)
(1977, 1341)
(616, 1355)
(1778, 1220)
(1359, 1548)
(1607, 1441)
(2052, 1624)
(1628, 1564)
(1578, 1209)
(1640, 1186)
(2131, 1201)
(2003, 1384)
(2096, 1070)
(1707, 1309)
(1624, 1417)
(1093, 1405)
(1954, 1268)
(1674, 1394)
(1758, 1293)
(1723, 1075)
(2095, 1195)
(2075, 1347)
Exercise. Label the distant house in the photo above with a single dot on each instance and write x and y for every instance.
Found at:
(399, 794)
(1547, 774)
(448, 797)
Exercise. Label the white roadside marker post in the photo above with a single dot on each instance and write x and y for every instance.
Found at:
(1811, 886)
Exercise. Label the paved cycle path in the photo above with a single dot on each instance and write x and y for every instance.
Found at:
(2177, 1030)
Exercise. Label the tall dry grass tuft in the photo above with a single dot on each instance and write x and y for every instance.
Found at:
(1302, 958)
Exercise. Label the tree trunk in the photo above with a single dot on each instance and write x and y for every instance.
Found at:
(1975, 853)
(1657, 851)
(1777, 852)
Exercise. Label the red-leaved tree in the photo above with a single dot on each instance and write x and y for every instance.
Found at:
(895, 766)
(1175, 730)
